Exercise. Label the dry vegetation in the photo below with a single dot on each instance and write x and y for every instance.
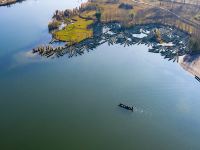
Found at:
(8, 2)
(77, 26)
(5, 2)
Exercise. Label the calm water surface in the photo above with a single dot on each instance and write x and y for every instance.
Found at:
(72, 103)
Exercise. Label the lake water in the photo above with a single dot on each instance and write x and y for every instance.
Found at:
(56, 104)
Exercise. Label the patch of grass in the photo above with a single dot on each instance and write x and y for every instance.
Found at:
(89, 14)
(76, 32)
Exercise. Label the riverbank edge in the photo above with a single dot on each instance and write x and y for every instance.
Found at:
(8, 3)
(191, 63)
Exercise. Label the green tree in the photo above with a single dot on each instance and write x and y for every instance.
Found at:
(98, 15)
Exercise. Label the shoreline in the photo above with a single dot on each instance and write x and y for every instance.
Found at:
(191, 64)
(9, 2)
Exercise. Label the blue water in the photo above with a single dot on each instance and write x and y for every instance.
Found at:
(72, 103)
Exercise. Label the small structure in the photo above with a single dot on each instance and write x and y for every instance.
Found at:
(197, 78)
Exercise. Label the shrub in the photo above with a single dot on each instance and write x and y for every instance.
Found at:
(54, 25)
(194, 45)
(125, 6)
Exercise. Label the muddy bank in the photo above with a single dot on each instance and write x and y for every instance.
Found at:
(191, 63)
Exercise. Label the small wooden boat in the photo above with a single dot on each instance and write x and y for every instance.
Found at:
(197, 78)
(125, 107)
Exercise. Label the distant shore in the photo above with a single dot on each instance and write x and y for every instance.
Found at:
(9, 2)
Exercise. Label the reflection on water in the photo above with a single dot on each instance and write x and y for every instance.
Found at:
(169, 42)
(72, 104)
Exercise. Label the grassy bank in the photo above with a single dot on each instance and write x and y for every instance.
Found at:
(76, 31)
(78, 22)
